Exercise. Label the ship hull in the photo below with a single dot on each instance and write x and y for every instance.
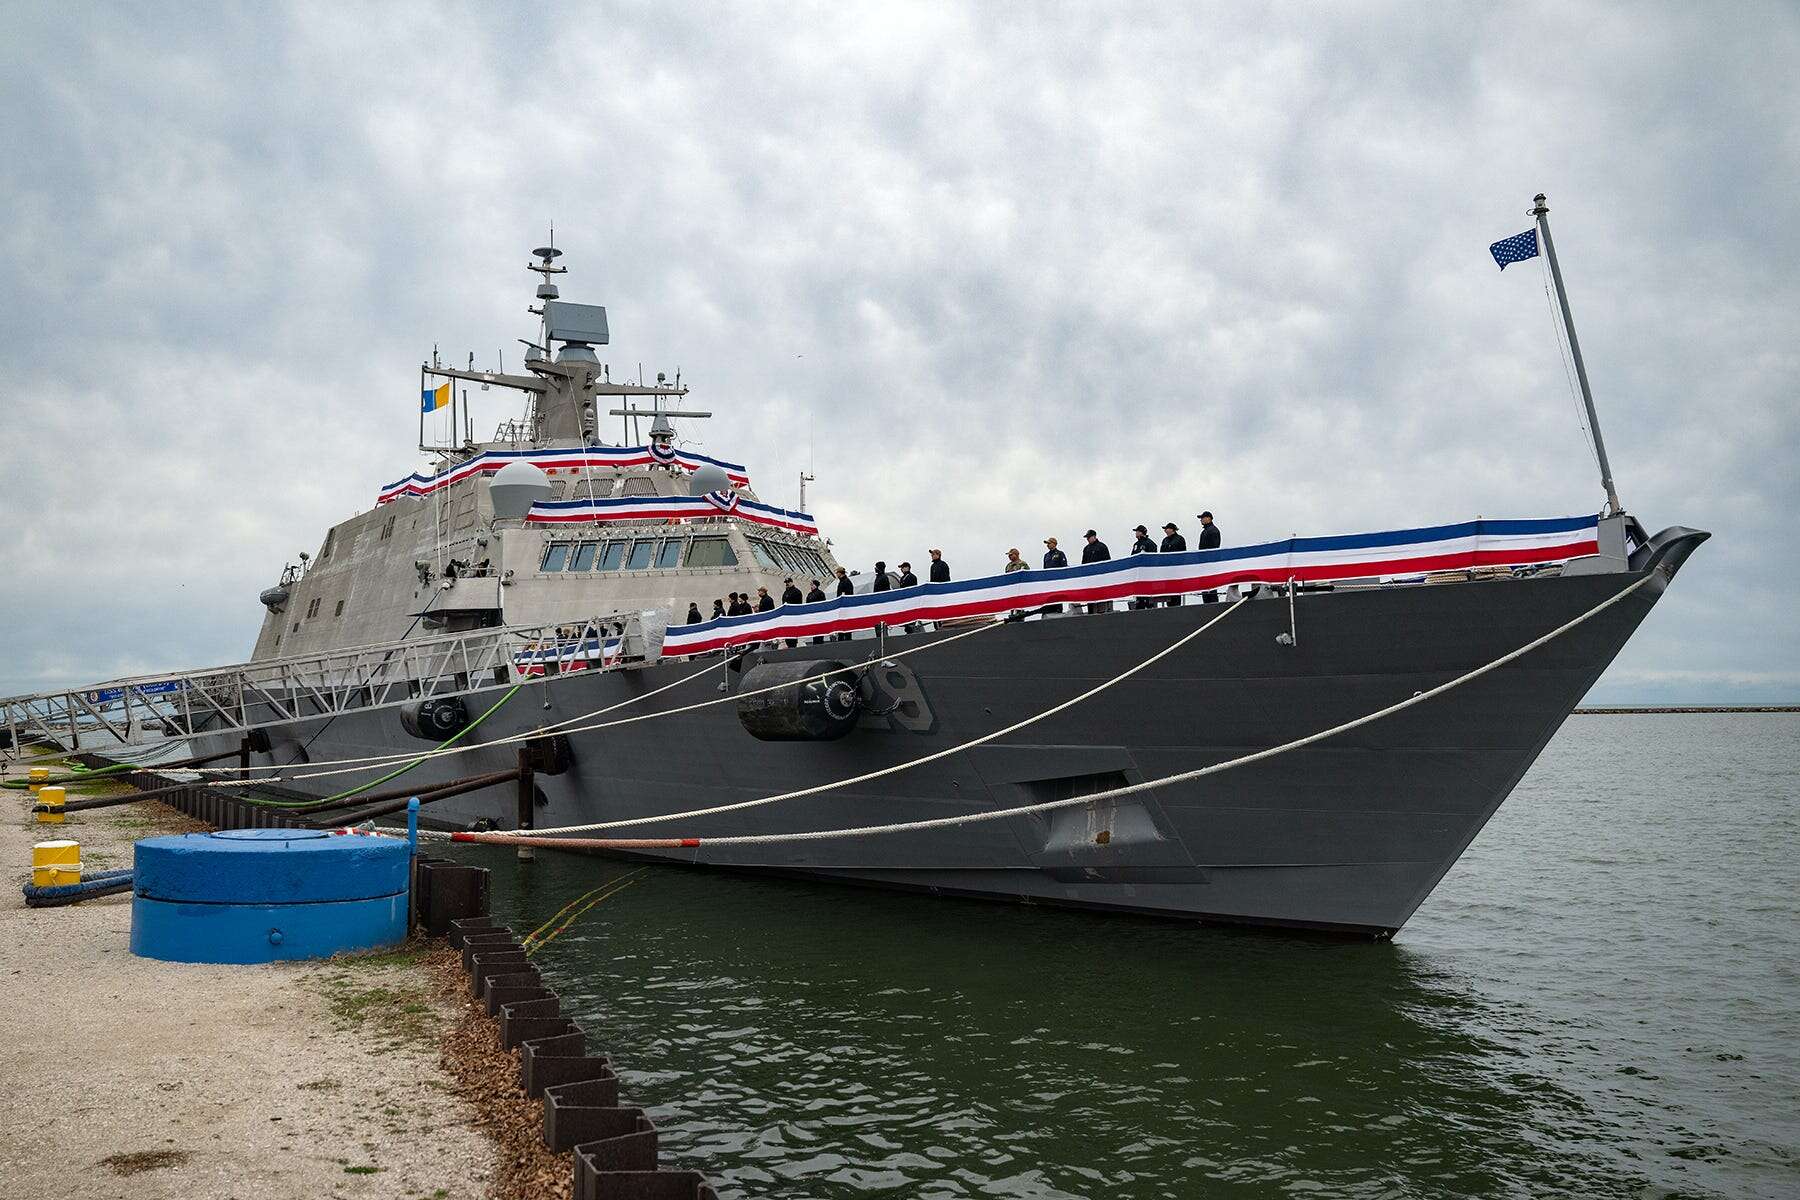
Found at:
(1349, 835)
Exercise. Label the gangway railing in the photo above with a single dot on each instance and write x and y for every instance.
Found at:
(277, 691)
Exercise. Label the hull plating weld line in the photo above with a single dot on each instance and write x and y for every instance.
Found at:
(259, 895)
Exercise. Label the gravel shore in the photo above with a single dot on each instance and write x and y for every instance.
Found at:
(127, 1076)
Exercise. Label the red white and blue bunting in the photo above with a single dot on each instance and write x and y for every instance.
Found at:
(562, 462)
(669, 508)
(569, 655)
(1389, 555)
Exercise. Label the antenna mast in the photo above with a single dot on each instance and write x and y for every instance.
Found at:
(1542, 212)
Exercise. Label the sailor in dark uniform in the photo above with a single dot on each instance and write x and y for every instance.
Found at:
(882, 582)
(791, 594)
(693, 617)
(1173, 543)
(1209, 540)
(844, 588)
(815, 595)
(940, 570)
(1096, 551)
(1142, 545)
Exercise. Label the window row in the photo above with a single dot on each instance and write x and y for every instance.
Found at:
(639, 554)
(790, 560)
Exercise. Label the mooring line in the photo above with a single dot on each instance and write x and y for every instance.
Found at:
(896, 768)
(754, 839)
(363, 787)
(372, 762)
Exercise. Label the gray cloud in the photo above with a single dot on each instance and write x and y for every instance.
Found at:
(993, 273)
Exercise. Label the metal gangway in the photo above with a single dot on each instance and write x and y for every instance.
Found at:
(278, 691)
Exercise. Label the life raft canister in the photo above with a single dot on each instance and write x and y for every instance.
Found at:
(818, 710)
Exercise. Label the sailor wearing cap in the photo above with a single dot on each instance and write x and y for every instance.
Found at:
(1096, 551)
(1173, 543)
(940, 570)
(907, 578)
(1209, 540)
(1142, 545)
(1053, 557)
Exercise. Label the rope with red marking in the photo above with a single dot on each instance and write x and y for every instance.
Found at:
(759, 839)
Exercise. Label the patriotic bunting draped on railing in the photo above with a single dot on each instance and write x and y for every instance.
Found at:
(561, 461)
(565, 656)
(1397, 553)
(668, 508)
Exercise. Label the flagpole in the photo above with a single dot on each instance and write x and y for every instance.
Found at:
(1542, 213)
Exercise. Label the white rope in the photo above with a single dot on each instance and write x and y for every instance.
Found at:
(376, 761)
(754, 839)
(897, 767)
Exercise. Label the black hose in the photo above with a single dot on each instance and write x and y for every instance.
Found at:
(101, 883)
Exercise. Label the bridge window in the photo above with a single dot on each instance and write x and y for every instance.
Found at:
(711, 552)
(641, 553)
(584, 556)
(761, 551)
(556, 556)
(668, 555)
(612, 556)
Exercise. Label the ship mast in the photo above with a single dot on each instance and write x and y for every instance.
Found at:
(1542, 212)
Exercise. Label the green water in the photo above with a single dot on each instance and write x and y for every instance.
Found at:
(1600, 1000)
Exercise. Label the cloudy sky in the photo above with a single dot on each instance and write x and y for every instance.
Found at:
(992, 272)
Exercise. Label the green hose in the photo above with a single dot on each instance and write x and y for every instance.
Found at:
(78, 774)
(394, 774)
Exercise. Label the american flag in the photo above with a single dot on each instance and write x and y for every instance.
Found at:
(1514, 249)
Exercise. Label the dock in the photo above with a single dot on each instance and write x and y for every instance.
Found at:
(136, 1077)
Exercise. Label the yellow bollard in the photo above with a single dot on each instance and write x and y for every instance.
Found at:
(52, 795)
(35, 780)
(55, 863)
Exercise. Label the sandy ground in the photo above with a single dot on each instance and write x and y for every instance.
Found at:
(125, 1076)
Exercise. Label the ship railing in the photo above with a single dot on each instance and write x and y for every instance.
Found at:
(278, 691)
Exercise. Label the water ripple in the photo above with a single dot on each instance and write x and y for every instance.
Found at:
(1599, 1001)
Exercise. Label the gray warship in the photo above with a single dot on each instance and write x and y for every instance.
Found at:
(529, 585)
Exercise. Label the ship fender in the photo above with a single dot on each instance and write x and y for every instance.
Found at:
(434, 718)
(817, 710)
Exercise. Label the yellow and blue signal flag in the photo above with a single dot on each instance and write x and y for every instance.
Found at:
(432, 399)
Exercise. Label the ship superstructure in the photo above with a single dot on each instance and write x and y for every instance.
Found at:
(434, 556)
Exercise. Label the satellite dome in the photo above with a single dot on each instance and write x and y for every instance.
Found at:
(515, 488)
(708, 479)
